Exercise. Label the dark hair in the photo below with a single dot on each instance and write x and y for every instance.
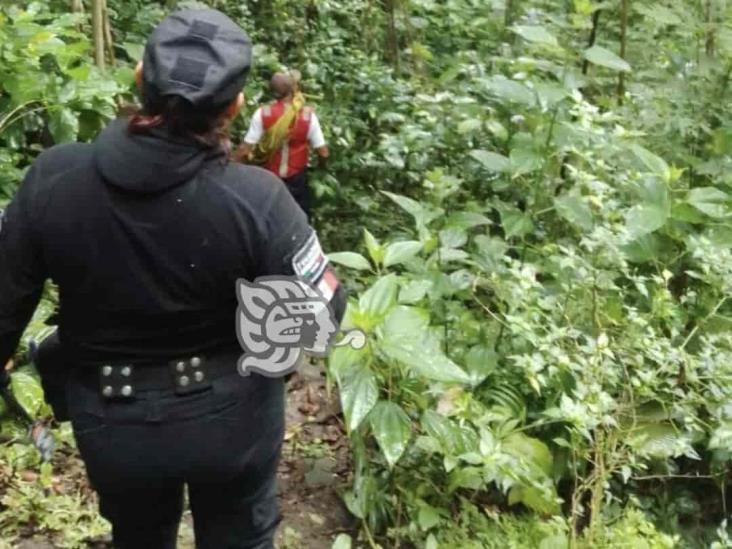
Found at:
(181, 119)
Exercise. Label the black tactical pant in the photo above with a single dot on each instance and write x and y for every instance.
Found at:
(223, 443)
(299, 188)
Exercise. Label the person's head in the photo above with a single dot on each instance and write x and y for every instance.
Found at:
(282, 85)
(191, 77)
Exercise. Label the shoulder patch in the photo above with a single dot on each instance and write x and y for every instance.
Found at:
(309, 262)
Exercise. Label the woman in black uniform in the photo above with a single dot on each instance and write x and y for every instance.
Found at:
(146, 232)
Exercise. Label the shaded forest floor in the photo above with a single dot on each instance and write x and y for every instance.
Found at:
(314, 468)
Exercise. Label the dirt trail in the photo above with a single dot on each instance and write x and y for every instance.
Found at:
(314, 468)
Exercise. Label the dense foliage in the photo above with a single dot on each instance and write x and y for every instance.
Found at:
(530, 201)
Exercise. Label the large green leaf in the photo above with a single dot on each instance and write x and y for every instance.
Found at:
(422, 214)
(651, 162)
(536, 34)
(27, 389)
(515, 222)
(492, 161)
(350, 259)
(344, 359)
(407, 340)
(359, 394)
(64, 125)
(466, 220)
(710, 201)
(392, 428)
(343, 541)
(510, 90)
(605, 58)
(524, 160)
(659, 440)
(536, 490)
(375, 249)
(644, 219)
(574, 209)
(399, 252)
(376, 302)
(534, 451)
(428, 517)
(480, 362)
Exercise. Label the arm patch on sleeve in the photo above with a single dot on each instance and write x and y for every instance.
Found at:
(309, 262)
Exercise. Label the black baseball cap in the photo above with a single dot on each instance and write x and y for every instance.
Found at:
(198, 54)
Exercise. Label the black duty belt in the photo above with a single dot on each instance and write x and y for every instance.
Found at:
(184, 375)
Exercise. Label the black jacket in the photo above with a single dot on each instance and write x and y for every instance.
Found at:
(145, 237)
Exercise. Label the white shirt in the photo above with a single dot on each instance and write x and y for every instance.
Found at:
(256, 131)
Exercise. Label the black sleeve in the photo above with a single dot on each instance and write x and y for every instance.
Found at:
(22, 274)
(292, 248)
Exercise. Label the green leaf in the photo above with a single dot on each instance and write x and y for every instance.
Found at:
(376, 250)
(408, 340)
(133, 50)
(534, 498)
(466, 220)
(536, 34)
(492, 161)
(469, 126)
(497, 129)
(652, 162)
(27, 389)
(351, 260)
(428, 517)
(414, 291)
(710, 201)
(643, 249)
(422, 215)
(524, 160)
(515, 222)
(605, 58)
(343, 541)
(574, 209)
(407, 322)
(659, 440)
(399, 252)
(510, 90)
(557, 541)
(376, 302)
(64, 125)
(644, 219)
(491, 251)
(530, 449)
(345, 358)
(392, 428)
(431, 542)
(453, 238)
(359, 394)
(480, 362)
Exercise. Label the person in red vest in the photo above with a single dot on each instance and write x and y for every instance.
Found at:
(281, 135)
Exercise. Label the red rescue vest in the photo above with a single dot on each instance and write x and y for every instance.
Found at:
(294, 155)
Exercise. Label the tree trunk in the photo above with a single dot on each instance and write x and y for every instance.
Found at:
(392, 37)
(98, 33)
(508, 14)
(711, 38)
(593, 38)
(108, 41)
(623, 46)
(77, 6)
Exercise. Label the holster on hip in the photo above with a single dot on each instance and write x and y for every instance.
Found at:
(54, 368)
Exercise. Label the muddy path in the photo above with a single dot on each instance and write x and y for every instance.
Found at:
(313, 472)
